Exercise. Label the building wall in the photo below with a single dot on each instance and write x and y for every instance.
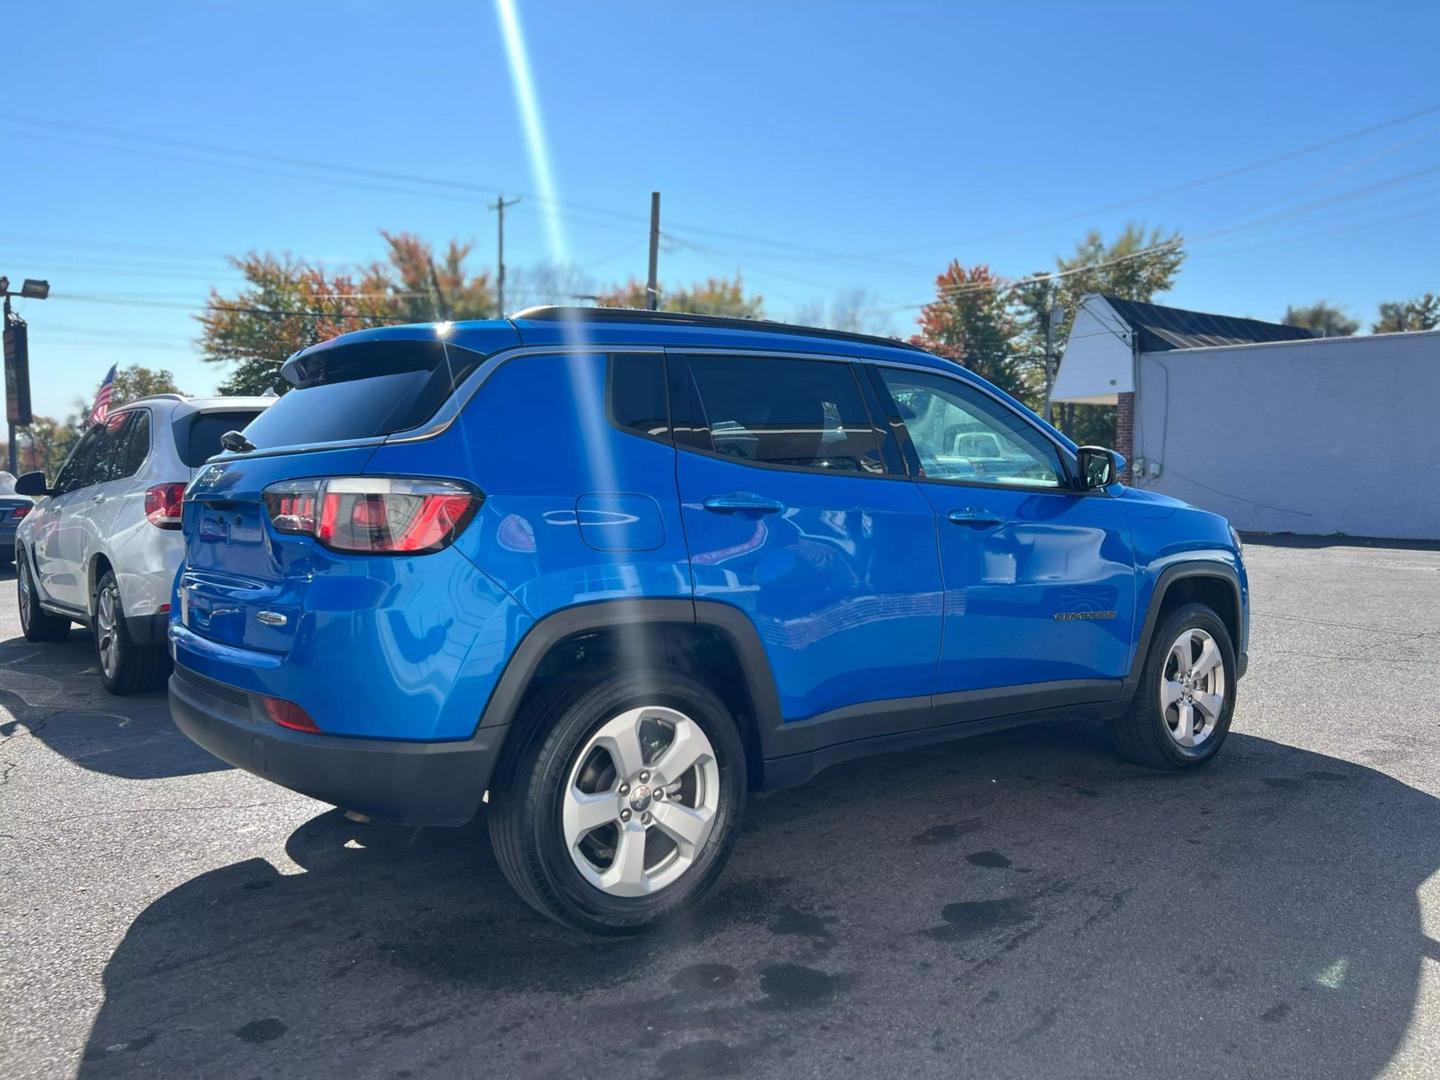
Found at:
(1318, 437)
(1096, 364)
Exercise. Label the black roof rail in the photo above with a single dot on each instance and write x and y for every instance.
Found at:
(545, 313)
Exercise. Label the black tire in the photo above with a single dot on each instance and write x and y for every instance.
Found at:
(132, 667)
(37, 623)
(1142, 733)
(527, 792)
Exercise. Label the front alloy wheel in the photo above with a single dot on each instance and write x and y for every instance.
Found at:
(1181, 711)
(36, 623)
(1192, 688)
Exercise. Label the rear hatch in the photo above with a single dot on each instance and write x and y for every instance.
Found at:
(244, 583)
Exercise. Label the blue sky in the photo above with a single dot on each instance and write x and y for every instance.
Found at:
(813, 147)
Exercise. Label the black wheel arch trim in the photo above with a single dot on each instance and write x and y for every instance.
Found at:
(1211, 568)
(556, 627)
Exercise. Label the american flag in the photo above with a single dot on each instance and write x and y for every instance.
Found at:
(101, 409)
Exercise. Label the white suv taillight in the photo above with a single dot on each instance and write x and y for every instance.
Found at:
(373, 514)
(162, 505)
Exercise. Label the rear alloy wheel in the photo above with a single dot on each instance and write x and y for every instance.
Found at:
(126, 667)
(640, 801)
(37, 623)
(622, 805)
(1181, 711)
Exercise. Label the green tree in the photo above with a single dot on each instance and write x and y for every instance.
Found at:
(43, 445)
(713, 296)
(1136, 265)
(136, 381)
(287, 304)
(1421, 313)
(970, 322)
(1324, 318)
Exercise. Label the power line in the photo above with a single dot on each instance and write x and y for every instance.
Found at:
(1190, 185)
(239, 309)
(1178, 242)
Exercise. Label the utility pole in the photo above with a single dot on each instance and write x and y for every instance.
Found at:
(1054, 312)
(652, 286)
(499, 206)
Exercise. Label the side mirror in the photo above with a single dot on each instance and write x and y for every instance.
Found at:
(1099, 467)
(32, 484)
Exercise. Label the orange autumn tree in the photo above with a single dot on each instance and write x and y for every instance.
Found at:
(287, 304)
(971, 322)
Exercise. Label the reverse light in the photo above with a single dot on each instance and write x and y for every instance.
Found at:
(373, 514)
(288, 714)
(162, 505)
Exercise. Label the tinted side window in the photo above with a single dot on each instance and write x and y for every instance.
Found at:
(960, 434)
(639, 401)
(136, 444)
(107, 457)
(801, 413)
(73, 471)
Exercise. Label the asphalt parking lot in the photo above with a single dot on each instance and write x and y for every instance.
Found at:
(1021, 904)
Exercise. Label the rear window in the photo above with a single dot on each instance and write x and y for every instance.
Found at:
(197, 436)
(364, 390)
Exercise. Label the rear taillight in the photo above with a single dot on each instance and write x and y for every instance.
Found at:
(373, 514)
(162, 505)
(20, 511)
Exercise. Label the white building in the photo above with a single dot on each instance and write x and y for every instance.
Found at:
(1276, 429)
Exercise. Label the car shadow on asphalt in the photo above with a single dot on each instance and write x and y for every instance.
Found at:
(1020, 904)
(53, 691)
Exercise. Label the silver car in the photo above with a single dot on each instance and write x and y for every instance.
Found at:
(102, 544)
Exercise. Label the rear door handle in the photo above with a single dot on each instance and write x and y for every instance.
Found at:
(974, 517)
(742, 502)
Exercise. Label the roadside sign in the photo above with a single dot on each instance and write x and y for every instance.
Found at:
(17, 371)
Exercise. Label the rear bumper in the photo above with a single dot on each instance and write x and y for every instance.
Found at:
(436, 783)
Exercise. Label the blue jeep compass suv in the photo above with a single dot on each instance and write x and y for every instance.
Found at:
(618, 568)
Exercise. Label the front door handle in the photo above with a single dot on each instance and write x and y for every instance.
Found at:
(742, 502)
(974, 517)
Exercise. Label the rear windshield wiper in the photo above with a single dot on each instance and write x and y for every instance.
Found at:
(236, 443)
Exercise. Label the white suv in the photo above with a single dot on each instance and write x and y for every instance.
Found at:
(102, 546)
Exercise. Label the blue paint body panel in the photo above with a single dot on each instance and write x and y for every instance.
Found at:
(857, 587)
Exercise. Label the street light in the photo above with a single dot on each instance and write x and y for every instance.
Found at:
(34, 289)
